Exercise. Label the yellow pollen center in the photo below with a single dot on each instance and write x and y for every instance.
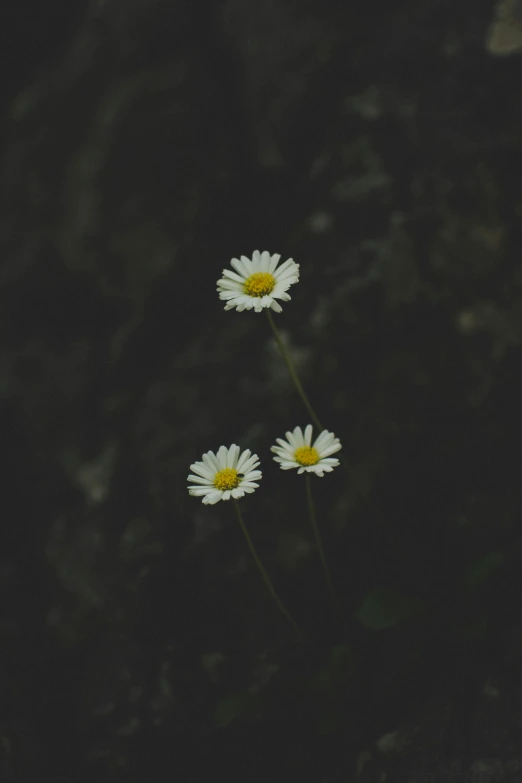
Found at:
(259, 284)
(306, 455)
(226, 479)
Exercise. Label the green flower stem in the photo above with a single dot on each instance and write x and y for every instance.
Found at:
(318, 541)
(263, 573)
(292, 371)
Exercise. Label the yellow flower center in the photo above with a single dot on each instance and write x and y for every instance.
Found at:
(259, 284)
(306, 455)
(226, 479)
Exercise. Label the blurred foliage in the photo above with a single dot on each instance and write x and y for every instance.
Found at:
(145, 143)
(382, 609)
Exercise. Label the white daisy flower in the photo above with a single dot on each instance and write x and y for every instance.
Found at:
(224, 475)
(257, 283)
(298, 452)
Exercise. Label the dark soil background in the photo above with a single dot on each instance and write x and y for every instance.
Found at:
(144, 144)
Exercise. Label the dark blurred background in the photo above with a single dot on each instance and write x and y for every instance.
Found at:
(144, 144)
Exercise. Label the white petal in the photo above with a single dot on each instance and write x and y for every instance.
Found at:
(222, 457)
(230, 285)
(213, 497)
(287, 266)
(325, 452)
(242, 459)
(333, 461)
(249, 266)
(232, 455)
(250, 464)
(230, 294)
(280, 293)
(322, 439)
(299, 437)
(202, 470)
(265, 261)
(308, 434)
(233, 276)
(287, 276)
(199, 491)
(281, 288)
(199, 480)
(274, 260)
(276, 307)
(244, 299)
(252, 475)
(291, 438)
(284, 444)
(211, 461)
(240, 268)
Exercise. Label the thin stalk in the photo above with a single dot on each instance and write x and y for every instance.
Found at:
(320, 549)
(263, 573)
(291, 369)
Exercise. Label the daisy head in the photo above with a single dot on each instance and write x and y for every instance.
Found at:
(258, 282)
(298, 451)
(224, 475)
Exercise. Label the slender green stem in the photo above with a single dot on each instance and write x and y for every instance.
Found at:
(320, 549)
(263, 573)
(291, 369)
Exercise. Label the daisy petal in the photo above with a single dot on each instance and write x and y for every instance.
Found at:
(233, 276)
(233, 454)
(242, 459)
(199, 480)
(222, 457)
(202, 470)
(274, 260)
(308, 434)
(248, 264)
(330, 450)
(240, 268)
(285, 267)
(250, 464)
(212, 498)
